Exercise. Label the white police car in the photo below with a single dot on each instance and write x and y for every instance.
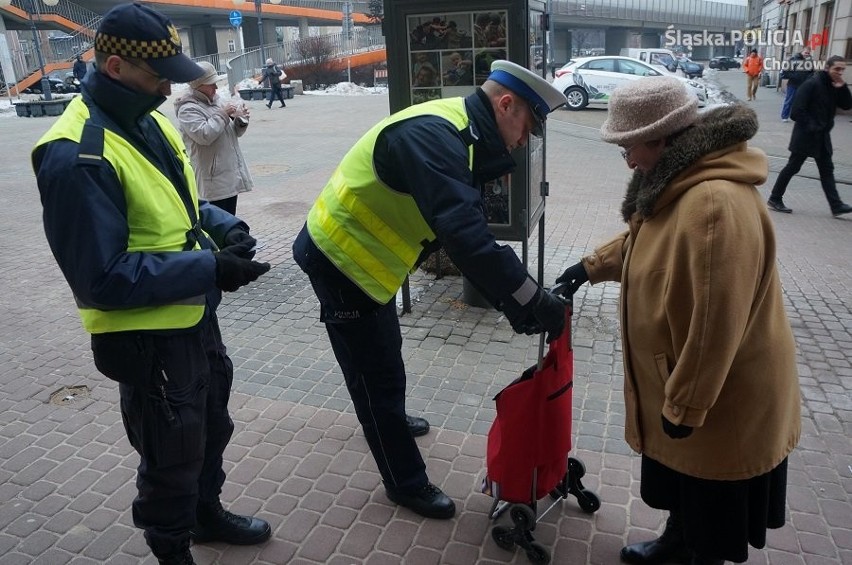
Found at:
(591, 80)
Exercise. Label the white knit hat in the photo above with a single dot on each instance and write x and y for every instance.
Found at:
(210, 76)
(647, 109)
(269, 62)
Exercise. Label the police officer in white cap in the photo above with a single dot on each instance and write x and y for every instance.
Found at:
(409, 186)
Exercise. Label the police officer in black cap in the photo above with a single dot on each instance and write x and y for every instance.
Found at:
(147, 263)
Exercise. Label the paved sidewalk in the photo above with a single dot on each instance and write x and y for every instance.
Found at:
(298, 458)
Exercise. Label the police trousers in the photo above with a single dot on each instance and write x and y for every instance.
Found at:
(367, 343)
(174, 392)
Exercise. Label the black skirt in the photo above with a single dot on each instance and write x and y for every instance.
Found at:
(720, 518)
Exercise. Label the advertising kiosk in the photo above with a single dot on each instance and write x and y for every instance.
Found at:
(439, 49)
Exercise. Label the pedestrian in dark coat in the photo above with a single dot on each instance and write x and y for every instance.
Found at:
(79, 69)
(273, 76)
(801, 69)
(813, 111)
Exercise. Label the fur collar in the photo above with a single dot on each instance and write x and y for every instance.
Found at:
(715, 129)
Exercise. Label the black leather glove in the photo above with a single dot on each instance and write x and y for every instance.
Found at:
(526, 324)
(549, 310)
(239, 236)
(573, 277)
(233, 271)
(675, 431)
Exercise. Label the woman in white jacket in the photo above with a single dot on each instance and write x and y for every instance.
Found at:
(210, 130)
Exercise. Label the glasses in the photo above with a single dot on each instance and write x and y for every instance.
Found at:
(160, 79)
(625, 153)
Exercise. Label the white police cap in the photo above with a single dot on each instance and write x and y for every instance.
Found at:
(541, 96)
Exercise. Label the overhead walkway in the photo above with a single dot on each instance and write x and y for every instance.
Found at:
(80, 19)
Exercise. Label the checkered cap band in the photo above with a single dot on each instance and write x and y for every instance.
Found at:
(136, 48)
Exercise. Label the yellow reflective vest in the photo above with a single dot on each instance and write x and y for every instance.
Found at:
(370, 232)
(157, 218)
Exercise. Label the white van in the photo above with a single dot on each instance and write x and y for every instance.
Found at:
(656, 56)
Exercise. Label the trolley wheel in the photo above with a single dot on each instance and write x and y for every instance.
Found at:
(537, 553)
(576, 469)
(503, 537)
(589, 501)
(523, 517)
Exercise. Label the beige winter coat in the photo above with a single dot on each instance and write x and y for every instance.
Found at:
(211, 138)
(707, 342)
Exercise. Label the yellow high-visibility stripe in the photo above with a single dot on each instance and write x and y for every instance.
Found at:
(360, 256)
(377, 227)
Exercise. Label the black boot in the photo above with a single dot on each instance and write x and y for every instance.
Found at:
(283, 105)
(669, 547)
(214, 523)
(182, 558)
(269, 105)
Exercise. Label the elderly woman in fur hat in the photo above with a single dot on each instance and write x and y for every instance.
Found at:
(710, 385)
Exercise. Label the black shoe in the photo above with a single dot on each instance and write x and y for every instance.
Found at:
(283, 105)
(214, 523)
(417, 426)
(778, 206)
(269, 105)
(667, 548)
(428, 501)
(842, 209)
(182, 558)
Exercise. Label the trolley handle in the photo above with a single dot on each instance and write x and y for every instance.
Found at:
(559, 291)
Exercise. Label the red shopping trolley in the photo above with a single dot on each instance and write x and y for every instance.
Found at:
(528, 445)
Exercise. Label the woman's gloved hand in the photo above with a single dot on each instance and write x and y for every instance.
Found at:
(573, 277)
(676, 431)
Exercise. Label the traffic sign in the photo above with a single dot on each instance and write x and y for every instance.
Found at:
(236, 18)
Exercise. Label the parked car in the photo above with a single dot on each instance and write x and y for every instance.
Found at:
(723, 63)
(690, 68)
(57, 86)
(591, 80)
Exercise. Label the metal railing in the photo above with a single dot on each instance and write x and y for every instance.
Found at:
(86, 20)
(333, 5)
(54, 49)
(250, 64)
(698, 15)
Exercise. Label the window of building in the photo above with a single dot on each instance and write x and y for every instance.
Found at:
(232, 46)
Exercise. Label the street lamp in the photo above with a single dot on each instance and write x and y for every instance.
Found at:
(45, 83)
(259, 13)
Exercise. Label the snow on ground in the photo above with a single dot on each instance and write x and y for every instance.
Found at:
(348, 89)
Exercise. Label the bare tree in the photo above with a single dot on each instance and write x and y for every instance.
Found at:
(580, 38)
(376, 11)
(318, 66)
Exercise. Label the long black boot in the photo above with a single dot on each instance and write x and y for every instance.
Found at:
(667, 548)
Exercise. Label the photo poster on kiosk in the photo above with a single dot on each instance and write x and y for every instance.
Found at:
(437, 51)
